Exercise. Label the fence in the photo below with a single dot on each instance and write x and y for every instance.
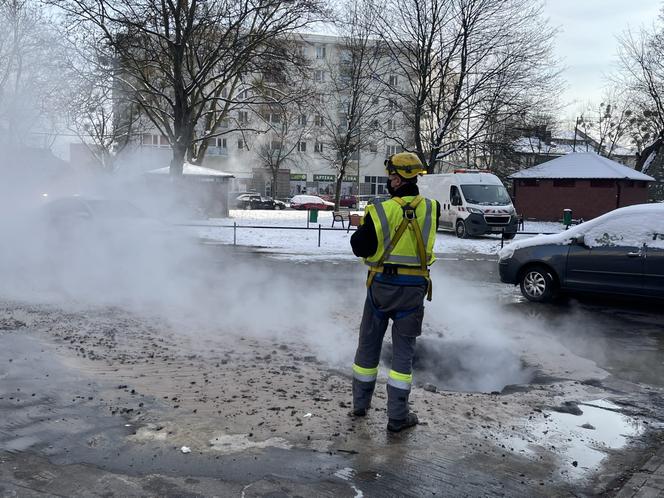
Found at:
(235, 227)
(320, 229)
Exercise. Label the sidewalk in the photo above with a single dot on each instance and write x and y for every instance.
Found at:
(648, 481)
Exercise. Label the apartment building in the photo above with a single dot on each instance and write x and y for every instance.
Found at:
(286, 150)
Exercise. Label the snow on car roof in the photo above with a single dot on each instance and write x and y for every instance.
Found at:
(582, 165)
(308, 198)
(636, 218)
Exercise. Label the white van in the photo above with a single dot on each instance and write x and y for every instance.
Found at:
(472, 202)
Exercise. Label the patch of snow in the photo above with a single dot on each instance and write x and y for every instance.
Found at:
(235, 443)
(192, 169)
(581, 165)
(299, 245)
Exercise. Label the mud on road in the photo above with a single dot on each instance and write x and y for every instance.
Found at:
(104, 401)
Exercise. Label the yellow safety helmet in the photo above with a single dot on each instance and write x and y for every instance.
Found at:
(405, 164)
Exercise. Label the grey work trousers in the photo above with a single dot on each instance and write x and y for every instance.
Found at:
(404, 305)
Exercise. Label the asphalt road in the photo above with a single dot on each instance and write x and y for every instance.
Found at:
(97, 400)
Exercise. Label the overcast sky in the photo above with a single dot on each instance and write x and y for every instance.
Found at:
(586, 43)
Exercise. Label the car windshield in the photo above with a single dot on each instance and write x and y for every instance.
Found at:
(114, 209)
(486, 195)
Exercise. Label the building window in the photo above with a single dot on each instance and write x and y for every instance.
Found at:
(243, 117)
(302, 146)
(301, 50)
(392, 149)
(275, 145)
(220, 142)
(320, 52)
(318, 147)
(318, 120)
(564, 183)
(373, 147)
(391, 124)
(319, 76)
(241, 144)
(529, 183)
(376, 184)
(393, 80)
(153, 140)
(302, 120)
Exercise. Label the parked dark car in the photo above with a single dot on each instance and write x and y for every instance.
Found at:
(81, 220)
(278, 204)
(620, 252)
(254, 201)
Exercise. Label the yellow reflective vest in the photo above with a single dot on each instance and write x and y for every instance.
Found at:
(387, 216)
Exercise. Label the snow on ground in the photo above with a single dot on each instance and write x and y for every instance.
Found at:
(295, 244)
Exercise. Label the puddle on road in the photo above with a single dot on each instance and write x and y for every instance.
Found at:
(604, 429)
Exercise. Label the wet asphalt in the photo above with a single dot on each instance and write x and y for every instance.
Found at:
(62, 434)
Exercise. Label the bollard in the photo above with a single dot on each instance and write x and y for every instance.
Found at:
(234, 232)
(567, 218)
(319, 232)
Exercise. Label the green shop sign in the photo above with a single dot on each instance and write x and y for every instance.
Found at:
(324, 178)
(350, 178)
(298, 177)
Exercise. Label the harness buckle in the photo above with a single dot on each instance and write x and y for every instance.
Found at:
(390, 270)
(408, 212)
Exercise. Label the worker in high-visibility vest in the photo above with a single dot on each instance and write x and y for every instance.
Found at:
(396, 240)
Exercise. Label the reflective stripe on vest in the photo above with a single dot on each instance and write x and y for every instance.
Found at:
(384, 232)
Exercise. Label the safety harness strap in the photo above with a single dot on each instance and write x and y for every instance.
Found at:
(409, 221)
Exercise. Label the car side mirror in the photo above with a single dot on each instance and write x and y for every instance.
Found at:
(580, 240)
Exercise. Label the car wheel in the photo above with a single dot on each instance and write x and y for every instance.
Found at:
(537, 284)
(461, 229)
(247, 207)
(509, 236)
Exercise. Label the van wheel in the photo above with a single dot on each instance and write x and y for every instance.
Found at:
(461, 229)
(538, 284)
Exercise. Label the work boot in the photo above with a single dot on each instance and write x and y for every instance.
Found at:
(397, 425)
(357, 412)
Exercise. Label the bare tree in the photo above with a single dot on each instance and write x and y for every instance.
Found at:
(468, 66)
(182, 61)
(102, 118)
(30, 83)
(607, 125)
(287, 125)
(352, 103)
(642, 71)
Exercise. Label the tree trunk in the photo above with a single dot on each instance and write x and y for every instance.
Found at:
(177, 161)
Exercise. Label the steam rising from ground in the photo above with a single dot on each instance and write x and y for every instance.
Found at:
(471, 340)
